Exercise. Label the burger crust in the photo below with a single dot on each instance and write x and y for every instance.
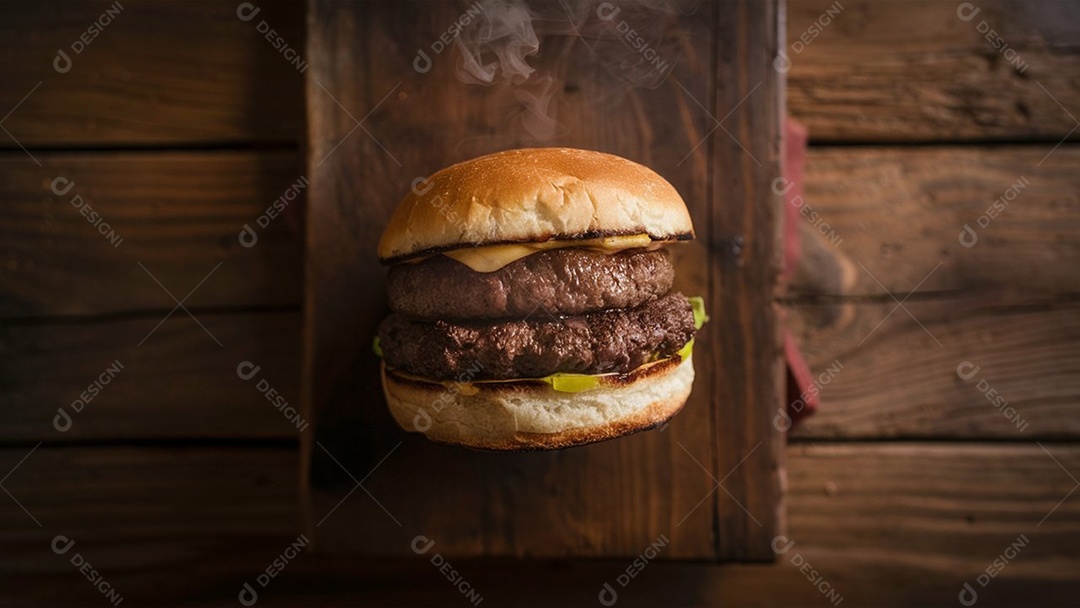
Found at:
(559, 282)
(615, 341)
(533, 416)
(534, 195)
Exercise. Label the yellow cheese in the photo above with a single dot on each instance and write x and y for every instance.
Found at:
(490, 258)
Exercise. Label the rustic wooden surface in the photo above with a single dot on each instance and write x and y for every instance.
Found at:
(900, 211)
(612, 499)
(188, 520)
(179, 215)
(161, 392)
(1007, 303)
(935, 513)
(745, 374)
(160, 74)
(915, 71)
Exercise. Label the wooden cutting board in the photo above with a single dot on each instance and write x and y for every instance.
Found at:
(689, 90)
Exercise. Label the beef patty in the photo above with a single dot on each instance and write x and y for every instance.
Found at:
(594, 343)
(559, 281)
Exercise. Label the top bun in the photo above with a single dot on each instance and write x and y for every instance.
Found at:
(534, 195)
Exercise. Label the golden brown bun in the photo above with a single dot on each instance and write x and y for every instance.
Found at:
(533, 416)
(532, 195)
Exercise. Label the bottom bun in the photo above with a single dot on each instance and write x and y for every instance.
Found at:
(530, 415)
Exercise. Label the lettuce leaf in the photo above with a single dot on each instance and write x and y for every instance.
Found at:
(700, 316)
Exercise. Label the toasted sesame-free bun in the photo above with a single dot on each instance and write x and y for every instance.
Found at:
(534, 195)
(533, 416)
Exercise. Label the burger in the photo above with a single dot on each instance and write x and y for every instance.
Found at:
(532, 303)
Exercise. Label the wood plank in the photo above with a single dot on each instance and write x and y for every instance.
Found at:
(898, 381)
(1001, 303)
(939, 514)
(904, 71)
(899, 212)
(536, 504)
(745, 369)
(155, 73)
(883, 524)
(175, 215)
(135, 512)
(159, 388)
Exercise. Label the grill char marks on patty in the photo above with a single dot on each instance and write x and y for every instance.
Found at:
(565, 281)
(617, 340)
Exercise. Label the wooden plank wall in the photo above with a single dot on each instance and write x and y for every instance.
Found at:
(908, 484)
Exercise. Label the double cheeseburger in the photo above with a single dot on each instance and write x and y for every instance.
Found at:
(532, 303)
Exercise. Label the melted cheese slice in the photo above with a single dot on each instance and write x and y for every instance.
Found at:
(490, 258)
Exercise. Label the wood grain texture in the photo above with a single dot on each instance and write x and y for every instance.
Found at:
(179, 383)
(151, 521)
(746, 372)
(154, 74)
(903, 71)
(550, 504)
(886, 217)
(1007, 303)
(936, 513)
(901, 380)
(173, 217)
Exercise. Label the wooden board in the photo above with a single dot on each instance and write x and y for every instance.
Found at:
(155, 74)
(133, 510)
(898, 381)
(916, 71)
(745, 371)
(172, 217)
(890, 216)
(549, 504)
(935, 513)
(1003, 303)
(178, 383)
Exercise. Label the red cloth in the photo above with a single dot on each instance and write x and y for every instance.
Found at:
(801, 402)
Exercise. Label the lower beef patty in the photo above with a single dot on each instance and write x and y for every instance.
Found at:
(595, 343)
(560, 281)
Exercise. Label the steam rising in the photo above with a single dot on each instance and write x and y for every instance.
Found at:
(625, 39)
(499, 44)
(537, 118)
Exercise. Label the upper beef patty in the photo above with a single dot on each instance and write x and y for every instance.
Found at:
(560, 281)
(595, 343)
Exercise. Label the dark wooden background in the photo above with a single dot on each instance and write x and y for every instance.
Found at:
(179, 482)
